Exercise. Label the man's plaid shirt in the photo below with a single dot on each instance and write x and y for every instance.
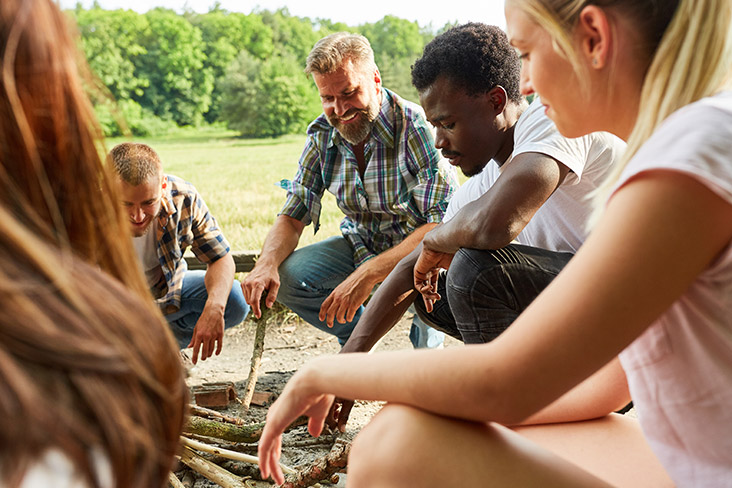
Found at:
(184, 221)
(403, 186)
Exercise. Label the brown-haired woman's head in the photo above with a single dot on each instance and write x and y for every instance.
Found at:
(86, 368)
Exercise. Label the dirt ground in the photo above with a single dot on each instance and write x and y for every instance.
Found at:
(289, 343)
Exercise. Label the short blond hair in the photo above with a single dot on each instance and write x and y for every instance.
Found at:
(331, 52)
(135, 163)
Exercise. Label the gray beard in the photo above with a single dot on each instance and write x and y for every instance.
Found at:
(356, 133)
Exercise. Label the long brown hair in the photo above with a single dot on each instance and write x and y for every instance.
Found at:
(52, 176)
(86, 366)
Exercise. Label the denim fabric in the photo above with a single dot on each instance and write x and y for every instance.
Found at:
(193, 299)
(311, 273)
(487, 290)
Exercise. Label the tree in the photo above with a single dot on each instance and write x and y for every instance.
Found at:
(224, 36)
(268, 98)
(180, 85)
(110, 40)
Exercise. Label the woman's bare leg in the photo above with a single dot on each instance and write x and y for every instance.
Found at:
(404, 446)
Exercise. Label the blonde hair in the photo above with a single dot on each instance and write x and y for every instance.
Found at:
(330, 52)
(689, 51)
(135, 163)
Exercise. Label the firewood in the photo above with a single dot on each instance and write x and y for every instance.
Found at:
(321, 469)
(237, 456)
(213, 414)
(174, 481)
(225, 431)
(211, 471)
(254, 366)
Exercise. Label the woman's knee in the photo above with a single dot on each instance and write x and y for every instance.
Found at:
(385, 453)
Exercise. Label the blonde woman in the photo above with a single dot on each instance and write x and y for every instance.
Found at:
(91, 386)
(652, 283)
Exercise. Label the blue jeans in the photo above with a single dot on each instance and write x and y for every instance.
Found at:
(193, 299)
(487, 290)
(311, 273)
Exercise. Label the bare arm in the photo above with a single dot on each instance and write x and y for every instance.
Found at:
(646, 225)
(208, 334)
(386, 306)
(345, 300)
(281, 240)
(496, 218)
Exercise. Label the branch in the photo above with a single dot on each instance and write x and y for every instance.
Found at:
(256, 361)
(322, 468)
(211, 471)
(236, 456)
(174, 481)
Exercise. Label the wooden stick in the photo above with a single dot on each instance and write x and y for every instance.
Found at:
(174, 481)
(236, 456)
(322, 468)
(256, 361)
(213, 414)
(211, 471)
(221, 430)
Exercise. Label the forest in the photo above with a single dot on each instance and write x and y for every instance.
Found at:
(160, 70)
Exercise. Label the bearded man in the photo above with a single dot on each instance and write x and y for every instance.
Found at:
(375, 153)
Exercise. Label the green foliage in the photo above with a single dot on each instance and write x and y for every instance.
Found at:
(224, 36)
(111, 42)
(128, 115)
(267, 98)
(246, 70)
(180, 85)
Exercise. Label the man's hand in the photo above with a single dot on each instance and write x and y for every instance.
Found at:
(338, 415)
(343, 303)
(208, 335)
(261, 279)
(426, 271)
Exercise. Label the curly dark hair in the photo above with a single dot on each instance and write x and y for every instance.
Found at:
(474, 56)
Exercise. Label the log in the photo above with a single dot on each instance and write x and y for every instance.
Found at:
(244, 261)
(213, 414)
(220, 430)
(211, 471)
(229, 432)
(321, 469)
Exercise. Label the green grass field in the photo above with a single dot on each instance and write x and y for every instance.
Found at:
(237, 178)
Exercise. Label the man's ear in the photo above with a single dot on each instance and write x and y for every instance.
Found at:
(498, 98)
(595, 36)
(377, 80)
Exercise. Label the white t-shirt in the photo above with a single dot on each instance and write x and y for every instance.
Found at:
(146, 248)
(54, 469)
(560, 224)
(680, 369)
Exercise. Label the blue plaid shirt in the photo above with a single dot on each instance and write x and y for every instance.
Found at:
(403, 187)
(184, 221)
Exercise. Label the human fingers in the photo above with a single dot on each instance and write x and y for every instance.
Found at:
(270, 447)
(343, 414)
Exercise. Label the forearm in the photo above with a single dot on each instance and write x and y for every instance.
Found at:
(219, 280)
(601, 394)
(385, 307)
(380, 266)
(281, 241)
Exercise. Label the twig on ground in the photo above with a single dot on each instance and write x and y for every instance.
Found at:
(213, 414)
(174, 481)
(322, 468)
(211, 471)
(237, 456)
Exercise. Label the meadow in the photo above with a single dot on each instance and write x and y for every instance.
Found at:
(238, 180)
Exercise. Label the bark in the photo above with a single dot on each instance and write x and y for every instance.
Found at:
(321, 469)
(228, 432)
(213, 414)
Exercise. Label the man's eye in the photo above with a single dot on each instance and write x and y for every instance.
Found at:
(449, 126)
